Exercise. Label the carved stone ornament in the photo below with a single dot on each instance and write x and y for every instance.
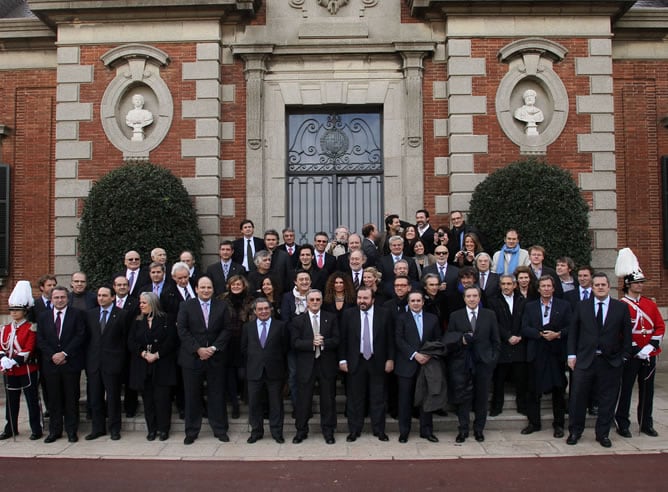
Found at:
(332, 6)
(137, 107)
(531, 101)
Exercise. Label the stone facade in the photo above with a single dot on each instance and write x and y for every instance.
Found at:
(445, 74)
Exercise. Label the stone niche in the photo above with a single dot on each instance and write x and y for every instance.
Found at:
(530, 63)
(137, 94)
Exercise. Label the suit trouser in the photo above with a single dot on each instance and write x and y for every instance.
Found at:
(274, 392)
(30, 385)
(534, 397)
(327, 385)
(193, 380)
(64, 393)
(405, 407)
(482, 381)
(518, 371)
(604, 380)
(157, 406)
(366, 378)
(100, 383)
(636, 369)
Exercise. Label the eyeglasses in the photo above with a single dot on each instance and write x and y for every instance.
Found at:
(440, 253)
(133, 259)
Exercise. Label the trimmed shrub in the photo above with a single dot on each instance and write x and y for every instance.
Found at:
(135, 207)
(542, 202)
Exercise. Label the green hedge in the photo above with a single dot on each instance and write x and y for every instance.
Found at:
(140, 207)
(542, 202)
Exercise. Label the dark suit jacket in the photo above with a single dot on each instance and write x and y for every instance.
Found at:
(194, 334)
(329, 266)
(131, 306)
(217, 275)
(294, 258)
(486, 343)
(574, 297)
(281, 264)
(558, 289)
(427, 238)
(107, 352)
(268, 362)
(371, 251)
(532, 324)
(89, 297)
(386, 266)
(72, 341)
(408, 341)
(614, 340)
(351, 335)
(239, 248)
(491, 286)
(510, 324)
(301, 334)
(36, 311)
(162, 339)
(170, 299)
(450, 276)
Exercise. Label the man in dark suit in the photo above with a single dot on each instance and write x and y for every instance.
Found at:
(459, 229)
(264, 345)
(43, 301)
(290, 247)
(473, 342)
(583, 290)
(80, 297)
(323, 260)
(306, 264)
(488, 281)
(130, 305)
(369, 238)
(413, 329)
(386, 262)
(136, 274)
(315, 339)
(162, 287)
(536, 258)
(194, 272)
(446, 272)
(545, 324)
(355, 264)
(246, 246)
(425, 230)
(281, 265)
(366, 355)
(106, 357)
(599, 342)
(61, 338)
(222, 270)
(203, 325)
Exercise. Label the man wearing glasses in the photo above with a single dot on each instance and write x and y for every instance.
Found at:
(446, 272)
(137, 276)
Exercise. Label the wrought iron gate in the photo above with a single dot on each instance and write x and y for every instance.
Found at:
(335, 171)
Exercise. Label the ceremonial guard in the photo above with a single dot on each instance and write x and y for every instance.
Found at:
(648, 329)
(18, 341)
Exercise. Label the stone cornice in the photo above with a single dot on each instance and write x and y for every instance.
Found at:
(18, 34)
(53, 12)
(642, 24)
(422, 8)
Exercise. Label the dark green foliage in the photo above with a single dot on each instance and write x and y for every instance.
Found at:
(542, 202)
(140, 207)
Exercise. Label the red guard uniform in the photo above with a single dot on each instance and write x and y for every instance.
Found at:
(648, 330)
(18, 343)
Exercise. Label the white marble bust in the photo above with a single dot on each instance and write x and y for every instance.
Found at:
(529, 113)
(138, 118)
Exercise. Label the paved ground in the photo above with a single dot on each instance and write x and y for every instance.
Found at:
(503, 439)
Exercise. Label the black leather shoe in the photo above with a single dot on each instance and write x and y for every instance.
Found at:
(5, 435)
(72, 438)
(529, 429)
(189, 440)
(236, 413)
(298, 439)
(650, 431)
(604, 441)
(479, 436)
(52, 438)
(403, 438)
(558, 432)
(34, 436)
(330, 440)
(624, 432)
(253, 439)
(495, 412)
(115, 436)
(572, 439)
(93, 435)
(352, 437)
(150, 436)
(223, 437)
(383, 437)
(279, 439)
(430, 438)
(461, 437)
(163, 436)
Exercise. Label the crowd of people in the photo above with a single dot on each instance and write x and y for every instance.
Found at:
(415, 320)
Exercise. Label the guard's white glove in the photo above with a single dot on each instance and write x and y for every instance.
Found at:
(7, 363)
(642, 356)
